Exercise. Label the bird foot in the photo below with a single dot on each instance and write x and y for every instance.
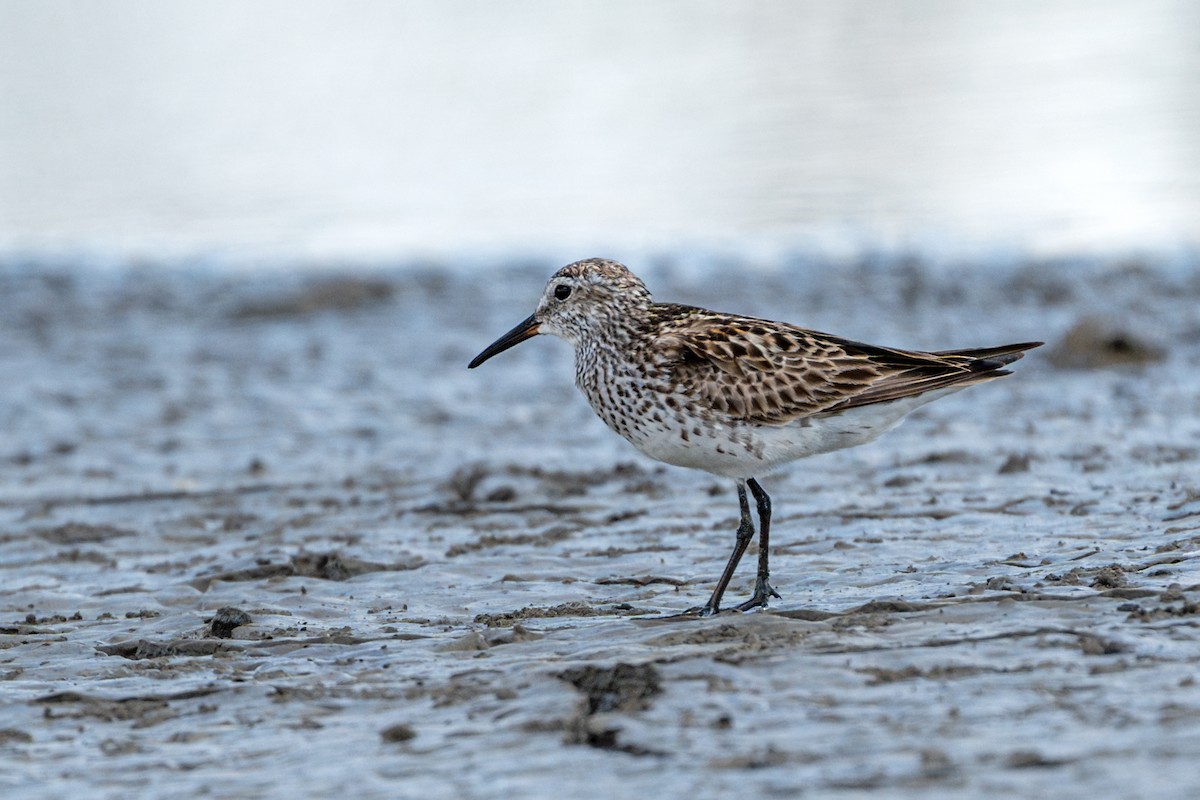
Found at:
(696, 612)
(763, 592)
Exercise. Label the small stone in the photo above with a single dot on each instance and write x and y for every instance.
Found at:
(226, 619)
(398, 733)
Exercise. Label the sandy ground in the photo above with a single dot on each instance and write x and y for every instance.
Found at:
(266, 536)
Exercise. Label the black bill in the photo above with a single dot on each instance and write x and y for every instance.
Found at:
(526, 330)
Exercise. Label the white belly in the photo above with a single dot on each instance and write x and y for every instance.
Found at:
(743, 450)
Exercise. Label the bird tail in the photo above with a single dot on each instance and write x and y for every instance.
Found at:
(987, 359)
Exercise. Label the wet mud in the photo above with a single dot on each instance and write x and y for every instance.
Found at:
(266, 536)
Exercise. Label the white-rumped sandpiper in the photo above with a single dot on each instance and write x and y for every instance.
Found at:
(731, 395)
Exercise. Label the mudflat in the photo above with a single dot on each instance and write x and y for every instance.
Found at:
(264, 535)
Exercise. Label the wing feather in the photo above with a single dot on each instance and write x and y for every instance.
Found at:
(773, 373)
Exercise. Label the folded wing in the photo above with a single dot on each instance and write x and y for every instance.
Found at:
(772, 373)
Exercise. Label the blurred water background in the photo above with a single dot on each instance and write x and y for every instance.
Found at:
(369, 131)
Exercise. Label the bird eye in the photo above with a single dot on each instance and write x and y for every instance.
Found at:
(562, 291)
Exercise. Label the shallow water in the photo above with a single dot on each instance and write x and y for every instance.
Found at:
(443, 568)
(327, 129)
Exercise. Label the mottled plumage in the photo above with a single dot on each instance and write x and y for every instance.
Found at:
(733, 395)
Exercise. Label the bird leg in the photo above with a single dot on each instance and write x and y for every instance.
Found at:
(745, 533)
(762, 586)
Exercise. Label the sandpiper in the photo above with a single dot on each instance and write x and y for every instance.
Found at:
(731, 395)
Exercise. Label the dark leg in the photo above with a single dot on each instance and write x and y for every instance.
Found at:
(745, 533)
(762, 585)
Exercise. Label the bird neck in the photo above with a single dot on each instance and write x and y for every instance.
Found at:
(612, 342)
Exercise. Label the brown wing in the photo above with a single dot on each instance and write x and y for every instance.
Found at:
(773, 373)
